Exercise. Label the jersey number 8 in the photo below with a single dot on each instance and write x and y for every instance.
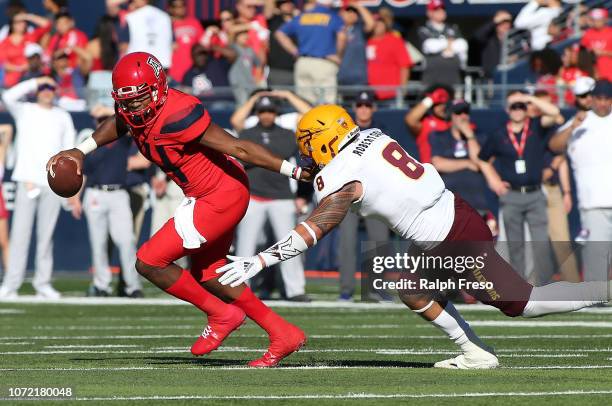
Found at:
(396, 156)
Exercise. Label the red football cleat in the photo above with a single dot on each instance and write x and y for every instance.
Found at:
(281, 347)
(217, 330)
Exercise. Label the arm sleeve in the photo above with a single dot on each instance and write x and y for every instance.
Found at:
(486, 150)
(483, 33)
(12, 96)
(337, 23)
(123, 33)
(434, 45)
(289, 27)
(528, 16)
(189, 127)
(436, 145)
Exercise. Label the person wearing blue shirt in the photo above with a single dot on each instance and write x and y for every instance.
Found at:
(320, 44)
(106, 204)
(519, 148)
(359, 23)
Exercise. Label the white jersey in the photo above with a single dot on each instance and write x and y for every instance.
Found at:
(590, 150)
(151, 31)
(409, 197)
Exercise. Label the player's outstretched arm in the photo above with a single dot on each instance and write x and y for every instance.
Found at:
(327, 215)
(220, 140)
(106, 133)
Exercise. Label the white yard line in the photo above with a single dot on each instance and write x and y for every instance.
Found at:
(29, 299)
(345, 396)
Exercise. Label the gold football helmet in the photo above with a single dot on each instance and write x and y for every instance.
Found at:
(323, 131)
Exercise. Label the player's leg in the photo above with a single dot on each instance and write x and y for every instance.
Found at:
(283, 217)
(48, 209)
(155, 262)
(443, 315)
(97, 227)
(121, 231)
(285, 338)
(21, 232)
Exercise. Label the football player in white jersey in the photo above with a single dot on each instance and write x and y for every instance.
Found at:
(369, 172)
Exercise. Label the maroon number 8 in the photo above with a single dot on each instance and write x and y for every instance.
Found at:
(396, 156)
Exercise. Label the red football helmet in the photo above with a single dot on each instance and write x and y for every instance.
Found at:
(136, 75)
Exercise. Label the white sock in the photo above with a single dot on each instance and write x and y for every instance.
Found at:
(458, 330)
(563, 297)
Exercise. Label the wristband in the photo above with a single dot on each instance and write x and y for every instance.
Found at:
(310, 231)
(428, 102)
(87, 146)
(290, 170)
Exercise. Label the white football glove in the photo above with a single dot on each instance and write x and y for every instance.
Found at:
(239, 270)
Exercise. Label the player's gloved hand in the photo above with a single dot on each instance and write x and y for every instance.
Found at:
(239, 270)
(74, 154)
(439, 96)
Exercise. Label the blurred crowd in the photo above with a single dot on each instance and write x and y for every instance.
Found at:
(271, 61)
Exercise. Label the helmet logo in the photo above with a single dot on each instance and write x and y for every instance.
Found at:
(154, 63)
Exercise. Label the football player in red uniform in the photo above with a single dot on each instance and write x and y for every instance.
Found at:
(174, 130)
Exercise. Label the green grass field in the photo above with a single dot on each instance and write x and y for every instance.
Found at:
(379, 354)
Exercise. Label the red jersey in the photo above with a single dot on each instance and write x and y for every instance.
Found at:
(428, 125)
(73, 38)
(600, 40)
(567, 77)
(171, 141)
(386, 56)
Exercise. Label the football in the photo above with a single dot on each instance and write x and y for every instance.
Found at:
(63, 178)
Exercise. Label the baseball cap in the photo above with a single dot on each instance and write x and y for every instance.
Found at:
(460, 106)
(32, 49)
(598, 13)
(365, 97)
(602, 87)
(583, 85)
(435, 4)
(265, 103)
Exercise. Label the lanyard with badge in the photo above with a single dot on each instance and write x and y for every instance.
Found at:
(519, 165)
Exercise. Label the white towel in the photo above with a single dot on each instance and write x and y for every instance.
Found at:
(183, 224)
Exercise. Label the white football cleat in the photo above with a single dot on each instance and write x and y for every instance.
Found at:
(475, 358)
(7, 294)
(47, 292)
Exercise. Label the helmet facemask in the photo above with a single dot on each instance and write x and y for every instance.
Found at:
(141, 117)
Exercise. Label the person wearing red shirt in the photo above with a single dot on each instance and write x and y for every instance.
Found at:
(12, 48)
(68, 38)
(256, 25)
(598, 38)
(570, 71)
(421, 124)
(174, 130)
(388, 60)
(187, 32)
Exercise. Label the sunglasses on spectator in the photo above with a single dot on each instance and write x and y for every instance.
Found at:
(518, 106)
(46, 86)
(465, 110)
(368, 105)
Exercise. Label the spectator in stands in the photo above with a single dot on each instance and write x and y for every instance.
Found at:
(13, 7)
(104, 47)
(6, 137)
(281, 63)
(67, 39)
(139, 174)
(573, 60)
(247, 19)
(358, 24)
(583, 101)
(106, 204)
(243, 118)
(450, 154)
(42, 130)
(388, 61)
(519, 149)
(490, 38)
(271, 196)
(445, 50)
(429, 115)
(148, 29)
(589, 146)
(598, 39)
(364, 108)
(187, 32)
(535, 17)
(320, 45)
(245, 70)
(54, 7)
(209, 72)
(545, 66)
(386, 14)
(70, 82)
(12, 48)
(33, 53)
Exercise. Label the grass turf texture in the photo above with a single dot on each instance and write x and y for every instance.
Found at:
(369, 356)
